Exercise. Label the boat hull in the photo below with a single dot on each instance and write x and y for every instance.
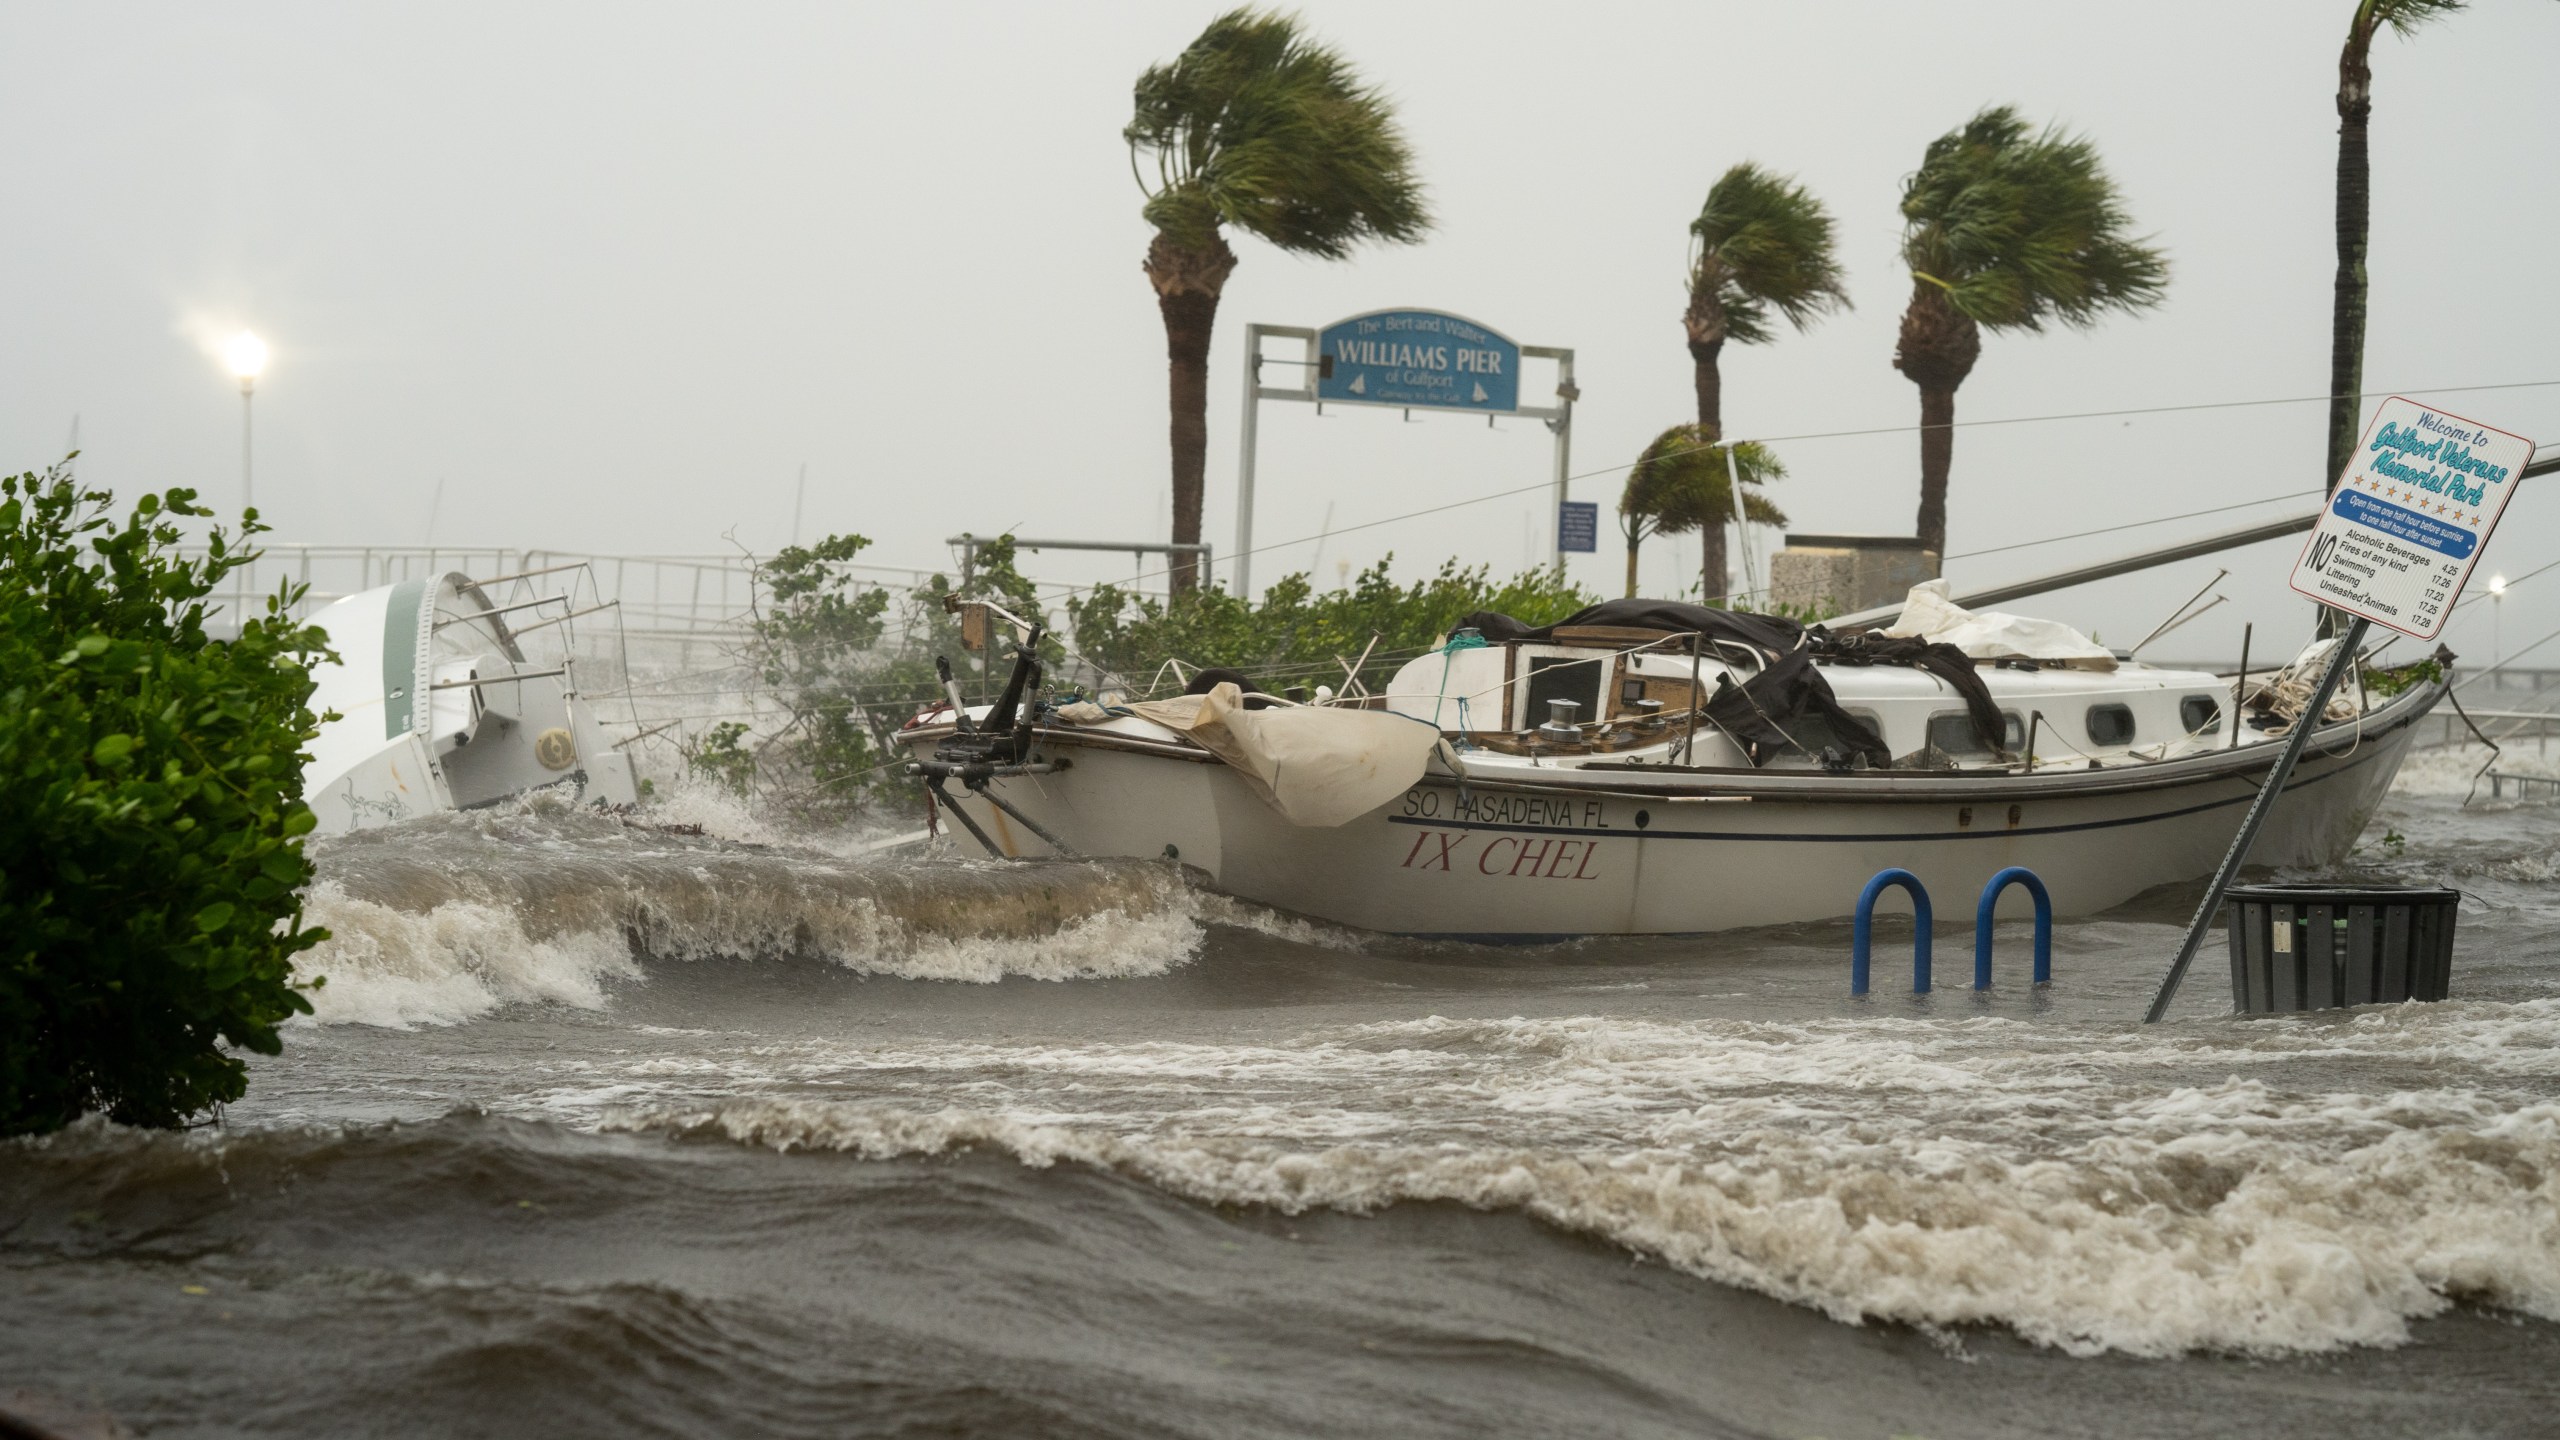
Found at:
(1467, 860)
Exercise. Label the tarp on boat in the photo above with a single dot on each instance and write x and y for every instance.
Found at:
(1315, 764)
(1788, 687)
(1771, 635)
(1927, 614)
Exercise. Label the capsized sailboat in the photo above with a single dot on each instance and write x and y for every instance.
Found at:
(1659, 768)
(440, 706)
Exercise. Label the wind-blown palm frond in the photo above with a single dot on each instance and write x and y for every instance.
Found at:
(1763, 244)
(2404, 16)
(2005, 227)
(2019, 227)
(1682, 483)
(1258, 127)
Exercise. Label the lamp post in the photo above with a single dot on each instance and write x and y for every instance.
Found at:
(2497, 602)
(247, 356)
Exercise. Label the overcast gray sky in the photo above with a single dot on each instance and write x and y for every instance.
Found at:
(615, 272)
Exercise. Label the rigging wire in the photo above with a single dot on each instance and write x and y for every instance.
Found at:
(2138, 524)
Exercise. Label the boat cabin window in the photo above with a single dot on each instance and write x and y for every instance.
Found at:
(2201, 714)
(1559, 677)
(2111, 725)
(1814, 732)
(1952, 731)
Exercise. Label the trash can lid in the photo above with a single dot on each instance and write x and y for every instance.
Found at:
(2320, 893)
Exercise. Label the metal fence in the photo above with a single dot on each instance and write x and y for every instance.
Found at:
(676, 610)
(2508, 703)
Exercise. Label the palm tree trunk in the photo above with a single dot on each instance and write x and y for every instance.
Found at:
(1707, 326)
(2355, 205)
(1937, 456)
(1188, 281)
(1938, 347)
(1710, 383)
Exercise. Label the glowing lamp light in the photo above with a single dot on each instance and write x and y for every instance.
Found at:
(2497, 584)
(247, 355)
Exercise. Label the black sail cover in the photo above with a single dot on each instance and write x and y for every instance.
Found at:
(1788, 686)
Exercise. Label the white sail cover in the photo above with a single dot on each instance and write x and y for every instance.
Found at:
(1316, 765)
(1928, 614)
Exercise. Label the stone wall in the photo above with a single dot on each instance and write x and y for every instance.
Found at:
(1838, 574)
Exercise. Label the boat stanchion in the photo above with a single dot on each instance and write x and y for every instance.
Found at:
(934, 784)
(1000, 748)
(980, 789)
(1862, 930)
(2014, 875)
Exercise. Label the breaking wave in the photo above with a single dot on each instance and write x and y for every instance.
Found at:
(447, 918)
(1928, 1172)
(2451, 770)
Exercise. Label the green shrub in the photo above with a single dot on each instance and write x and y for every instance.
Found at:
(823, 647)
(151, 812)
(1295, 634)
(2382, 684)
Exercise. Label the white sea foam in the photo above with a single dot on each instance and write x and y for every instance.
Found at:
(2451, 769)
(2089, 1190)
(459, 960)
(719, 810)
(451, 944)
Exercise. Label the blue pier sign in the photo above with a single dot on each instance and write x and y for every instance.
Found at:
(1417, 359)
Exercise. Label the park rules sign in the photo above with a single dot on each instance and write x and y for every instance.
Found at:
(2410, 517)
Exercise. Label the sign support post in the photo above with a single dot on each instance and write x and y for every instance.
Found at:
(1405, 360)
(2402, 531)
(1560, 421)
(2210, 908)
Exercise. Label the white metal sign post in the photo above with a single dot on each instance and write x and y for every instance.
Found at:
(2409, 519)
(2402, 532)
(1402, 360)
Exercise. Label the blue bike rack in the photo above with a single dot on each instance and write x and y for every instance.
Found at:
(1862, 931)
(2014, 875)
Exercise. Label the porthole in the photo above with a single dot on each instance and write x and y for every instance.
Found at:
(2201, 714)
(1952, 732)
(2110, 724)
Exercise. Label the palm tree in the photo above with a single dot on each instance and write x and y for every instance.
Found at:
(1763, 244)
(2006, 228)
(2355, 212)
(1257, 127)
(1684, 481)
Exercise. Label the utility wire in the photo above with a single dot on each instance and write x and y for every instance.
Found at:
(1847, 434)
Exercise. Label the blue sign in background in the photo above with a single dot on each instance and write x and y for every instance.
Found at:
(1418, 358)
(2403, 523)
(1578, 526)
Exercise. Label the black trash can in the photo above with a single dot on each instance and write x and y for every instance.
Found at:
(2310, 947)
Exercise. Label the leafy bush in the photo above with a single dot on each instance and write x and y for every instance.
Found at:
(722, 756)
(847, 662)
(2382, 684)
(151, 812)
(823, 646)
(1294, 635)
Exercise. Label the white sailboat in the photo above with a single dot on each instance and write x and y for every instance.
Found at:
(1690, 771)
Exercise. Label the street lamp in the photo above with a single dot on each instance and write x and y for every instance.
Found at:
(2497, 602)
(247, 356)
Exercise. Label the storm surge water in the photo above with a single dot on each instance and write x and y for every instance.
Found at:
(602, 1129)
(450, 917)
